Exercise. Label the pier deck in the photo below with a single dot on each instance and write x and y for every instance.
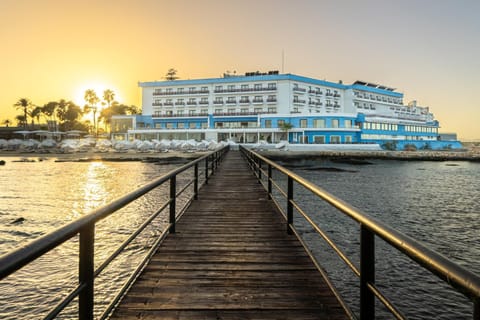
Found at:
(230, 258)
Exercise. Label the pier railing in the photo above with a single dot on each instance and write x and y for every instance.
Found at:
(85, 228)
(451, 273)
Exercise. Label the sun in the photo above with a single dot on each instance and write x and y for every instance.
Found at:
(98, 87)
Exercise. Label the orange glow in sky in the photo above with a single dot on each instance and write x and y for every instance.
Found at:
(55, 49)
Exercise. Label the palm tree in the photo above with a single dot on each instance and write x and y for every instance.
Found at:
(25, 105)
(92, 99)
(286, 127)
(7, 122)
(50, 110)
(35, 113)
(108, 97)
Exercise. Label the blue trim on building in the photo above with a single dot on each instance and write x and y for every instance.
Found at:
(288, 76)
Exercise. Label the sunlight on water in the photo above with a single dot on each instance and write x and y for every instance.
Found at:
(47, 195)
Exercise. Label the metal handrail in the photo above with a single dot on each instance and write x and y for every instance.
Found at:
(465, 281)
(85, 227)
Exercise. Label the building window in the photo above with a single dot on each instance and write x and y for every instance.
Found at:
(244, 110)
(218, 100)
(169, 125)
(218, 124)
(158, 125)
(180, 125)
(334, 139)
(191, 112)
(319, 123)
(272, 86)
(268, 123)
(280, 123)
(193, 125)
(257, 86)
(244, 87)
(348, 139)
(180, 112)
(348, 123)
(303, 123)
(231, 111)
(319, 139)
(180, 90)
(334, 123)
(258, 110)
(272, 110)
(218, 111)
(204, 125)
(231, 100)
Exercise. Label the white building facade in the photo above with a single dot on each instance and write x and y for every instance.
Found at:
(275, 107)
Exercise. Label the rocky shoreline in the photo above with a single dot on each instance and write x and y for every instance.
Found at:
(356, 156)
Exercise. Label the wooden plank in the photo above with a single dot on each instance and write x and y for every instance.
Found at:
(231, 258)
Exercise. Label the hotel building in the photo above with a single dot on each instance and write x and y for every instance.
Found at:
(275, 107)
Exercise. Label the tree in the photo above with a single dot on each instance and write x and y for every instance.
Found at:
(35, 113)
(286, 127)
(25, 105)
(50, 111)
(108, 97)
(7, 122)
(171, 74)
(20, 120)
(92, 99)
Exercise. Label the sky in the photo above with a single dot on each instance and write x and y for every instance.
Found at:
(427, 49)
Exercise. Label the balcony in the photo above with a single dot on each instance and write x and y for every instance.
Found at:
(168, 104)
(250, 113)
(329, 94)
(299, 101)
(192, 103)
(157, 104)
(244, 101)
(257, 89)
(218, 102)
(336, 95)
(203, 102)
(172, 93)
(297, 89)
(257, 101)
(271, 100)
(178, 115)
(181, 104)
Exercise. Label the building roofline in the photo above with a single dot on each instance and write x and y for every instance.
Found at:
(275, 77)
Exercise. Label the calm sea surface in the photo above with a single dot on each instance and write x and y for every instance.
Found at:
(434, 202)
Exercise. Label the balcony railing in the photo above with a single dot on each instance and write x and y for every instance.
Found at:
(179, 115)
(250, 113)
(84, 229)
(172, 93)
(299, 89)
(299, 101)
(245, 90)
(284, 195)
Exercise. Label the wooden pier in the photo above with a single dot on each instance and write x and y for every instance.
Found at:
(230, 258)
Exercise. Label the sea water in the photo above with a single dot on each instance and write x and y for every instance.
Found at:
(434, 202)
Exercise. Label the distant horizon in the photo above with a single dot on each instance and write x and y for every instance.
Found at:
(427, 49)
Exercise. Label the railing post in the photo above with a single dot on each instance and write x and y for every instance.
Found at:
(85, 274)
(259, 170)
(289, 204)
(173, 196)
(195, 182)
(206, 169)
(367, 273)
(269, 181)
(476, 309)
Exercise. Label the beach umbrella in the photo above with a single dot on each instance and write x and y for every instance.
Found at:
(23, 132)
